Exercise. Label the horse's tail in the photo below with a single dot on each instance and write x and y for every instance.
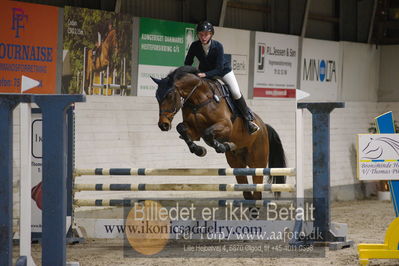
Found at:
(276, 154)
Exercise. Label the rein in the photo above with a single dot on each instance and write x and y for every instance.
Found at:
(190, 94)
(195, 107)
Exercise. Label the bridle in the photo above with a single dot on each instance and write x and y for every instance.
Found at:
(169, 111)
(184, 103)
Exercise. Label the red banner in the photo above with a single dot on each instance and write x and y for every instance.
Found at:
(274, 93)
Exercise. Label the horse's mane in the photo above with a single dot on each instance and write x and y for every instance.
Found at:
(180, 72)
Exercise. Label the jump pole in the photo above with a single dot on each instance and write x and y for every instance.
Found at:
(321, 173)
(7, 106)
(185, 187)
(390, 248)
(54, 174)
(25, 216)
(186, 171)
(299, 154)
(84, 72)
(182, 202)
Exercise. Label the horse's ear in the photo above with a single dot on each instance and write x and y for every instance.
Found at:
(157, 81)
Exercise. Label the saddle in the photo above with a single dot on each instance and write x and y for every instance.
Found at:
(224, 91)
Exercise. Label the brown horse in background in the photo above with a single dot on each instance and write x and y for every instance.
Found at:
(98, 63)
(206, 115)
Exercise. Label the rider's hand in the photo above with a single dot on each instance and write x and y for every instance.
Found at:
(201, 75)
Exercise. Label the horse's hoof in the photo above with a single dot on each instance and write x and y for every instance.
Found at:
(247, 195)
(221, 148)
(200, 151)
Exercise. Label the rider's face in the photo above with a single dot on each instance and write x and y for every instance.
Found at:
(204, 36)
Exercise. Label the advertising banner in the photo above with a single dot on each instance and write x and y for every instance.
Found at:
(321, 69)
(28, 47)
(276, 60)
(37, 176)
(36, 142)
(236, 43)
(378, 156)
(97, 52)
(163, 46)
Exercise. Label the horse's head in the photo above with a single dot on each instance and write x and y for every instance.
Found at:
(373, 150)
(169, 102)
(169, 93)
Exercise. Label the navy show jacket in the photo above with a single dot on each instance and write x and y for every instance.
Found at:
(213, 64)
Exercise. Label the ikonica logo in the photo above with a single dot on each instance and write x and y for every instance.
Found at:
(319, 70)
(261, 57)
(18, 18)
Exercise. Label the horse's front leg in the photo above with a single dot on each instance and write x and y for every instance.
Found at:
(216, 132)
(257, 180)
(185, 134)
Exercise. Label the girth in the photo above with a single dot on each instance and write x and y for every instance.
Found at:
(195, 107)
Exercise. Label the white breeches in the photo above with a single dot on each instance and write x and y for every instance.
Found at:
(231, 80)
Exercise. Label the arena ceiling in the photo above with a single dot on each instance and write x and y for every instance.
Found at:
(366, 21)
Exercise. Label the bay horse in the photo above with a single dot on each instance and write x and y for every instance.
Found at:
(207, 115)
(98, 63)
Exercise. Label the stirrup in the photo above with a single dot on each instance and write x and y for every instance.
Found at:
(252, 127)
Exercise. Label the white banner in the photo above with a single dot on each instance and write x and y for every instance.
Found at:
(239, 64)
(147, 87)
(200, 229)
(37, 172)
(378, 157)
(320, 69)
(275, 65)
(36, 168)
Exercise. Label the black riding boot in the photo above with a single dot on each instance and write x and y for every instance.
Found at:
(242, 106)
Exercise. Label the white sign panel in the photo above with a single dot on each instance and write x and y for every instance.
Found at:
(117, 228)
(378, 157)
(239, 64)
(147, 87)
(275, 65)
(320, 69)
(236, 43)
(36, 168)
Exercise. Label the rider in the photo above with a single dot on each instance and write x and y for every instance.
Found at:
(212, 63)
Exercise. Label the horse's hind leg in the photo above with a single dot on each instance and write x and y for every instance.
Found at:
(218, 131)
(258, 157)
(237, 160)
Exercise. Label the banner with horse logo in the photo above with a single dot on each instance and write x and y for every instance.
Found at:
(378, 156)
(97, 52)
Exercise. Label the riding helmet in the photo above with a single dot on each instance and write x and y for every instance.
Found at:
(205, 26)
